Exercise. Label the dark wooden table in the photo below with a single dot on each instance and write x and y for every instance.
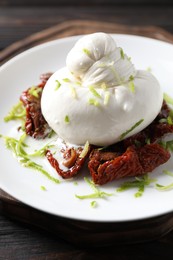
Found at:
(21, 241)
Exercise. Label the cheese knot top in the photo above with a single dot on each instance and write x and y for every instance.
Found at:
(96, 59)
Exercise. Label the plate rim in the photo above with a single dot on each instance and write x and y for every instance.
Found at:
(49, 44)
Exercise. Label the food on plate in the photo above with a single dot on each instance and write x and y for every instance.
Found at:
(108, 114)
(35, 125)
(99, 95)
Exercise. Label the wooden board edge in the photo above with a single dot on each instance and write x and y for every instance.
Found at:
(77, 27)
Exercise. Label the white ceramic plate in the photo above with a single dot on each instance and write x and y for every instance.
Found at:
(59, 199)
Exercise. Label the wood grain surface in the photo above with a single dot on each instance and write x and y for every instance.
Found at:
(16, 23)
(77, 27)
(78, 2)
(20, 239)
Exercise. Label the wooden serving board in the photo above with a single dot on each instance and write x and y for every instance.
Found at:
(77, 27)
(73, 231)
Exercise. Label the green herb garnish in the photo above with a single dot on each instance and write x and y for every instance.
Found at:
(17, 112)
(131, 77)
(52, 132)
(106, 64)
(131, 86)
(85, 150)
(18, 149)
(66, 80)
(168, 99)
(149, 69)
(67, 119)
(138, 183)
(94, 92)
(131, 129)
(93, 204)
(17, 146)
(78, 83)
(73, 91)
(104, 86)
(147, 141)
(116, 75)
(168, 173)
(58, 84)
(168, 145)
(122, 53)
(165, 187)
(34, 91)
(106, 97)
(86, 51)
(96, 194)
(41, 152)
(168, 120)
(32, 165)
(43, 188)
(94, 102)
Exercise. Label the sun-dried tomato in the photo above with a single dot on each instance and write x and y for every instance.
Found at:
(35, 124)
(73, 169)
(152, 155)
(134, 162)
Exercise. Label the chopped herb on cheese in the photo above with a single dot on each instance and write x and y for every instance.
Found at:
(131, 77)
(94, 92)
(66, 80)
(103, 86)
(58, 84)
(66, 119)
(94, 102)
(73, 91)
(87, 52)
(122, 53)
(106, 97)
(149, 69)
(131, 129)
(131, 86)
